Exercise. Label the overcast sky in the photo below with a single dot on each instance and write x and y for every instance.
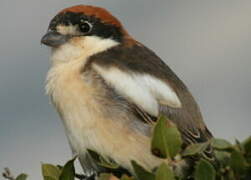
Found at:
(207, 43)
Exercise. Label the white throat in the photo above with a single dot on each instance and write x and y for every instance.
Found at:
(80, 48)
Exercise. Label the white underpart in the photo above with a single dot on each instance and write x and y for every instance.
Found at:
(144, 90)
(82, 115)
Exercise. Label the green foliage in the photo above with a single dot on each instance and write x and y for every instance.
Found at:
(164, 172)
(142, 173)
(68, 171)
(166, 140)
(51, 172)
(195, 149)
(22, 177)
(221, 144)
(238, 162)
(102, 161)
(231, 161)
(204, 170)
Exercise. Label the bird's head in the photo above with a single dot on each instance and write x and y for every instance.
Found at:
(78, 22)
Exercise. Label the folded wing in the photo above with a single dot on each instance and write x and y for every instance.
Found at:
(146, 82)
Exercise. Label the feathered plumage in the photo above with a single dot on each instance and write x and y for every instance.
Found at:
(109, 89)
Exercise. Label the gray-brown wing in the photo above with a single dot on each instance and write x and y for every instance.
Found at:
(138, 60)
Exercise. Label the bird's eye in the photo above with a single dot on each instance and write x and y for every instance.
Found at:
(85, 26)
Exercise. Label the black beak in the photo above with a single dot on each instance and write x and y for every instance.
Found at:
(54, 39)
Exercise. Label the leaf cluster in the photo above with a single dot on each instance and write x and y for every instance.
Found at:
(229, 162)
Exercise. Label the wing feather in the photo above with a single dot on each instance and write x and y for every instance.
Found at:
(144, 90)
(151, 87)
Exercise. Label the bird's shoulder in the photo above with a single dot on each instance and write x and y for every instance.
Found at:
(139, 74)
(134, 57)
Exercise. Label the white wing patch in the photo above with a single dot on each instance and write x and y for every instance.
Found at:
(144, 90)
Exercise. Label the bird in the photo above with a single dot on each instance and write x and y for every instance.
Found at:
(109, 89)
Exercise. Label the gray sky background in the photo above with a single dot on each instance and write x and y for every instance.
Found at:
(207, 43)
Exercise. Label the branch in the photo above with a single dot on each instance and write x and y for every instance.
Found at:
(7, 174)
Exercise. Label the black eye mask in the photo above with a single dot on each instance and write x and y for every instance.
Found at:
(95, 26)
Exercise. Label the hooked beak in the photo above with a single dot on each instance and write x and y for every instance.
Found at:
(54, 39)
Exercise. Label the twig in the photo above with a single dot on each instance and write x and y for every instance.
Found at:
(7, 174)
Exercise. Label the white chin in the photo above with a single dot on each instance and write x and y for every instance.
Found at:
(81, 47)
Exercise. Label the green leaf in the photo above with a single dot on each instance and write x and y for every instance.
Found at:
(141, 173)
(229, 175)
(60, 167)
(247, 145)
(221, 144)
(166, 141)
(222, 156)
(22, 177)
(68, 171)
(164, 173)
(204, 171)
(102, 161)
(50, 171)
(237, 161)
(195, 149)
